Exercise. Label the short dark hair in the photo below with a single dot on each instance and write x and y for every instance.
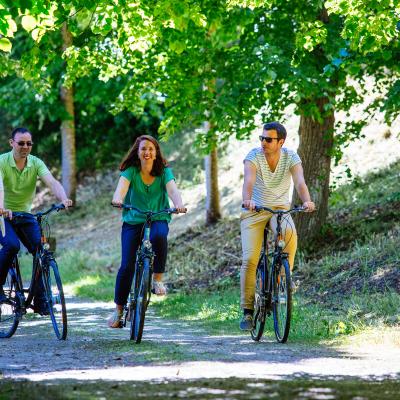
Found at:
(19, 130)
(279, 128)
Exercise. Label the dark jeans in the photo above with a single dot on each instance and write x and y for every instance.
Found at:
(131, 237)
(25, 229)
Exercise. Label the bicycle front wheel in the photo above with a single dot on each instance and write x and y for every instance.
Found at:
(55, 299)
(10, 310)
(141, 301)
(282, 301)
(259, 303)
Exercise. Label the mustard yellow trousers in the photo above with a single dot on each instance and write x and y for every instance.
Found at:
(252, 226)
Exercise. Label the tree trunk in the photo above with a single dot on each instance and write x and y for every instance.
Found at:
(68, 158)
(213, 209)
(316, 141)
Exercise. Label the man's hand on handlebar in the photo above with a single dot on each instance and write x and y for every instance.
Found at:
(67, 203)
(6, 213)
(249, 204)
(309, 206)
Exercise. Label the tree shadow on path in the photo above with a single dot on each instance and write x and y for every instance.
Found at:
(169, 350)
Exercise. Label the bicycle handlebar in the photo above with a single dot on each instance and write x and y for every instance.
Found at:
(147, 213)
(291, 210)
(53, 208)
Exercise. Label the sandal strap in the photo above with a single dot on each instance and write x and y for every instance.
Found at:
(158, 286)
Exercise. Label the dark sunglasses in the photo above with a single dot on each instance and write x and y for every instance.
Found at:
(21, 144)
(267, 139)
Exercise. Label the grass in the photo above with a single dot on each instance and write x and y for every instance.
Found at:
(360, 209)
(220, 313)
(82, 274)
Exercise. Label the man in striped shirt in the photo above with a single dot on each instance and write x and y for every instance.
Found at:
(268, 171)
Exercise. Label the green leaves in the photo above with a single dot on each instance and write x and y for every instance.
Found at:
(5, 45)
(28, 22)
(369, 25)
(311, 34)
(177, 46)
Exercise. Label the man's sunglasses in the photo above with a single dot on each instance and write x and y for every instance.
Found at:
(21, 144)
(268, 139)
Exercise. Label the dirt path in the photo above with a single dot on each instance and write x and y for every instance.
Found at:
(172, 350)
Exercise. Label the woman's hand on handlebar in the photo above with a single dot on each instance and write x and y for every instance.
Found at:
(180, 209)
(117, 202)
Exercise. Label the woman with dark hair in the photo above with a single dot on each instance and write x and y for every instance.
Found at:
(145, 182)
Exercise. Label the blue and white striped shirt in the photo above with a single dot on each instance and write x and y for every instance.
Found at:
(272, 188)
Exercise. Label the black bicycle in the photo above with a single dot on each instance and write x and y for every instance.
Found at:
(44, 268)
(140, 293)
(273, 282)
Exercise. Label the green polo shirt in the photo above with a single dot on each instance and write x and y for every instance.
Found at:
(20, 186)
(152, 197)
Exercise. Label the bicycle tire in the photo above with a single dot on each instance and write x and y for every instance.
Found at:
(282, 301)
(55, 299)
(10, 310)
(260, 311)
(137, 322)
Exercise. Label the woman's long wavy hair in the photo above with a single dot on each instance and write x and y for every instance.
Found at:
(132, 157)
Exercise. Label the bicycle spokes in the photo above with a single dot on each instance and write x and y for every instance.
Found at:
(282, 302)
(55, 299)
(10, 309)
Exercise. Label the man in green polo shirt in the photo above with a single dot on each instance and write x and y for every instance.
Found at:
(19, 172)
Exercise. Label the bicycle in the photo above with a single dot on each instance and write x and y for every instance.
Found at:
(139, 297)
(273, 283)
(45, 268)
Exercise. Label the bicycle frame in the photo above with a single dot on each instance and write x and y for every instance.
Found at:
(42, 253)
(46, 269)
(271, 261)
(144, 251)
(141, 286)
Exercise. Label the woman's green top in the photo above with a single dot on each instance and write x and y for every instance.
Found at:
(152, 197)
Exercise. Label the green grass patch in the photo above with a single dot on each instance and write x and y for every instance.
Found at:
(220, 314)
(367, 206)
(82, 274)
(88, 275)
(376, 187)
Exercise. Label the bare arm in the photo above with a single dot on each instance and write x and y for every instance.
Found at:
(56, 188)
(175, 196)
(1, 194)
(3, 211)
(301, 187)
(248, 184)
(121, 191)
(1, 201)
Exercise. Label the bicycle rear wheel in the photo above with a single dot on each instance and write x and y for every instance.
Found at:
(55, 299)
(282, 301)
(259, 303)
(141, 301)
(10, 310)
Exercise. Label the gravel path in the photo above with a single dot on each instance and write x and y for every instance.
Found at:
(173, 350)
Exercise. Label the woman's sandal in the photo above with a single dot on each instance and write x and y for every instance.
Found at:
(115, 320)
(159, 288)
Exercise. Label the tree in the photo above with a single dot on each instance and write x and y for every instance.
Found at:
(316, 61)
(250, 53)
(193, 67)
(68, 129)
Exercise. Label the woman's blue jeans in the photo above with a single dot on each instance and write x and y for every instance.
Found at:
(131, 238)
